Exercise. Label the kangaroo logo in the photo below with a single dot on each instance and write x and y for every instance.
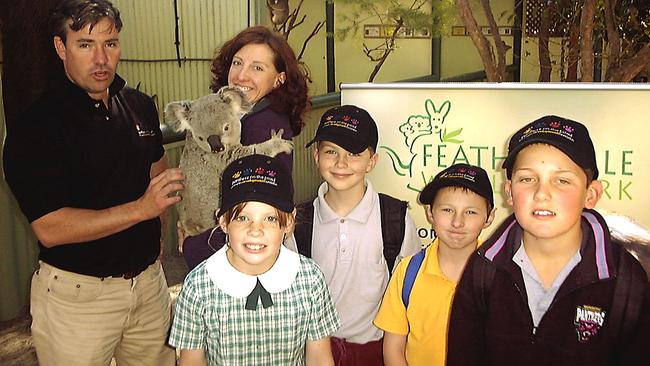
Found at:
(415, 131)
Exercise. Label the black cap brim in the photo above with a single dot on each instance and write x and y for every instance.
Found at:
(512, 155)
(344, 141)
(429, 192)
(263, 197)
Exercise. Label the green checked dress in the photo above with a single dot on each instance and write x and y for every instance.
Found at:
(210, 312)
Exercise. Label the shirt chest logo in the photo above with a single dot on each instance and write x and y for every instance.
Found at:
(588, 322)
(143, 132)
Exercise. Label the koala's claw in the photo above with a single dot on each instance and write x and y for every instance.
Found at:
(277, 134)
(287, 147)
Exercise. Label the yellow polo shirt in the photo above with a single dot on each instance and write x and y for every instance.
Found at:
(426, 320)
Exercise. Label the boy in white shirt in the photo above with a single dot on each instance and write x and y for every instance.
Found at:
(354, 234)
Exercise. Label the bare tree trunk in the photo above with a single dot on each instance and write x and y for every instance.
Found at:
(573, 57)
(632, 66)
(27, 53)
(613, 38)
(542, 46)
(481, 43)
(498, 42)
(587, 41)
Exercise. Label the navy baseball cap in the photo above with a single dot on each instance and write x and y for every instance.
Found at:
(256, 178)
(571, 137)
(348, 126)
(459, 175)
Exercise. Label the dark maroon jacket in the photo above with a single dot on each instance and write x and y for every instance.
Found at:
(502, 332)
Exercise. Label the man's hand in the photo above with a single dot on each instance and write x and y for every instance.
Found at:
(73, 225)
(161, 193)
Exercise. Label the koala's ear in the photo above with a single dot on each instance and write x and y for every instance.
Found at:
(176, 114)
(236, 99)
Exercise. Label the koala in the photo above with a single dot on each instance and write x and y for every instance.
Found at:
(279, 10)
(213, 131)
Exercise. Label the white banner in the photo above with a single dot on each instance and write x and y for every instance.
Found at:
(426, 127)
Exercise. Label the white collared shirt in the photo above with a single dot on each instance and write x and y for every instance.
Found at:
(349, 251)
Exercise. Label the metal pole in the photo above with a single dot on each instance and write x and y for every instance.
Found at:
(329, 27)
(516, 39)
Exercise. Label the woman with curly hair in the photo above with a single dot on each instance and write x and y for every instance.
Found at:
(260, 62)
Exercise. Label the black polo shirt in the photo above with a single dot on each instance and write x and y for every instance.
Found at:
(69, 150)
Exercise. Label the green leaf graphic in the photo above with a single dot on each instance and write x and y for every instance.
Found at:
(449, 137)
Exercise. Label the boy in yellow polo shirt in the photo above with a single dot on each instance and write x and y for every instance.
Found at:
(414, 313)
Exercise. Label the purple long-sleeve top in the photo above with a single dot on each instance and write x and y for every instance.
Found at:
(257, 126)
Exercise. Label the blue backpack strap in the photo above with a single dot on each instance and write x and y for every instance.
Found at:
(411, 273)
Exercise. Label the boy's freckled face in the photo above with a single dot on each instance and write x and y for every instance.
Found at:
(342, 170)
(548, 191)
(255, 237)
(458, 216)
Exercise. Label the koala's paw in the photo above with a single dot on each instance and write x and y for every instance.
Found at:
(280, 145)
(190, 227)
(274, 146)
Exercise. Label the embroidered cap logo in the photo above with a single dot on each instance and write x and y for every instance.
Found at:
(546, 127)
(345, 121)
(461, 173)
(257, 175)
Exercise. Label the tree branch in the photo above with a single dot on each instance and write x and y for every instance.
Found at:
(481, 43)
(613, 37)
(390, 44)
(369, 51)
(632, 66)
(290, 24)
(587, 40)
(542, 46)
(313, 33)
(573, 57)
(498, 42)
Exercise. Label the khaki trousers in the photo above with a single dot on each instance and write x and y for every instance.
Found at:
(86, 321)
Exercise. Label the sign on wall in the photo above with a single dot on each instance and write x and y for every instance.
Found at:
(425, 128)
(386, 31)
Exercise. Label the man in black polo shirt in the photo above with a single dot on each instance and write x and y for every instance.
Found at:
(80, 163)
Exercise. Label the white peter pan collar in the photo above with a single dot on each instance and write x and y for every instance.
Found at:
(236, 284)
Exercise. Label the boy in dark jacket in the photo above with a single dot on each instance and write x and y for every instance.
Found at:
(550, 287)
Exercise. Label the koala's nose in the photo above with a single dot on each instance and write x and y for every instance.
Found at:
(215, 143)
